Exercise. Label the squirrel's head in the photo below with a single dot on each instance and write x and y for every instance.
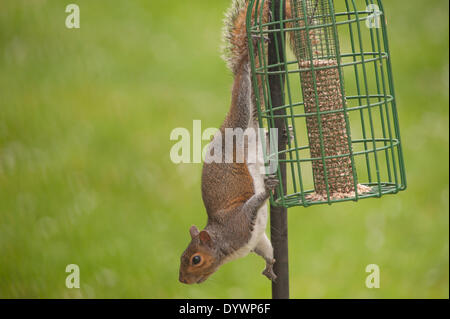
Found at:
(199, 260)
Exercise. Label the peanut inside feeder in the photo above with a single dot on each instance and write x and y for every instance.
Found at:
(335, 144)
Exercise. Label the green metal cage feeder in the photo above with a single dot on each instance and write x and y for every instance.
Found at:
(338, 99)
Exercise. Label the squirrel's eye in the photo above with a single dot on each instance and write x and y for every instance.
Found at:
(196, 260)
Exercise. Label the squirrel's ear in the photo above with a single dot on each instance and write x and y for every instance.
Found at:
(204, 237)
(193, 231)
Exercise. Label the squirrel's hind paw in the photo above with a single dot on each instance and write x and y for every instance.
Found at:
(256, 38)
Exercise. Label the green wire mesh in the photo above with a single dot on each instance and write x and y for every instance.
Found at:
(338, 99)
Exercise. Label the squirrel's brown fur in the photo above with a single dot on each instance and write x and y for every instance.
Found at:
(234, 194)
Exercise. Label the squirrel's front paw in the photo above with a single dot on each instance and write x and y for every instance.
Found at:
(271, 182)
(268, 272)
(256, 38)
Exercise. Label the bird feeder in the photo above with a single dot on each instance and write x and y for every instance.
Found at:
(332, 67)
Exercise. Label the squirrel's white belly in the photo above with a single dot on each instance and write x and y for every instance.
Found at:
(255, 168)
(255, 237)
(257, 172)
(255, 165)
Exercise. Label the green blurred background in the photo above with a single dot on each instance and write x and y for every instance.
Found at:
(86, 178)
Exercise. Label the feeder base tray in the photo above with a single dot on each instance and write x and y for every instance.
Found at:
(305, 199)
(322, 197)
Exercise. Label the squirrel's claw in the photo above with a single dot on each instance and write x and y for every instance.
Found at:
(268, 271)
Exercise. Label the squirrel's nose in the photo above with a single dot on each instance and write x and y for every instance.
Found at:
(182, 280)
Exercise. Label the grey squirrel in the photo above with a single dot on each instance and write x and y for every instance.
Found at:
(234, 194)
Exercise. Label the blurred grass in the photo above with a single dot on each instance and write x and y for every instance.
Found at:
(85, 175)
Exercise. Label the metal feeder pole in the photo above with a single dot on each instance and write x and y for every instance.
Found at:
(278, 215)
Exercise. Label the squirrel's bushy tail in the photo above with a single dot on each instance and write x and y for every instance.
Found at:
(234, 34)
(235, 48)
